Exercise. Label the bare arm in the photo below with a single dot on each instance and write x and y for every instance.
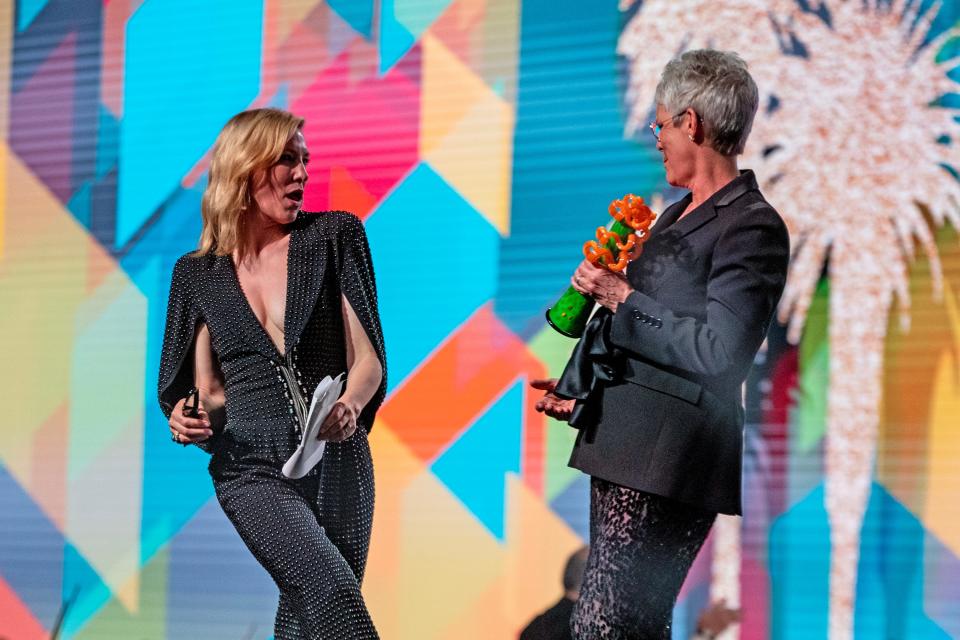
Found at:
(363, 379)
(207, 377)
(206, 371)
(363, 364)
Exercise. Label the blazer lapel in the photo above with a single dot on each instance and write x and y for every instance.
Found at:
(669, 216)
(305, 274)
(707, 211)
(694, 220)
(665, 250)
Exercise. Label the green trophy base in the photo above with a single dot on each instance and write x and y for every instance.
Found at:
(570, 314)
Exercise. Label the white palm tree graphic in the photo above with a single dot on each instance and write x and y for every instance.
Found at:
(854, 149)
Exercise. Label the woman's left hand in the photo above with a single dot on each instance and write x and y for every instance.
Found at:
(340, 423)
(606, 287)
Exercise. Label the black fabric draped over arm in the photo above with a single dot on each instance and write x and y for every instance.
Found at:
(176, 355)
(357, 282)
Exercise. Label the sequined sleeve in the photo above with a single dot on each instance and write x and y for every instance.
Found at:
(355, 274)
(176, 370)
(176, 355)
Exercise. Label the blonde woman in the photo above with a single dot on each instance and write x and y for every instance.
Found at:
(273, 300)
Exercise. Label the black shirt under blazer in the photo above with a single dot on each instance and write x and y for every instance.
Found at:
(659, 382)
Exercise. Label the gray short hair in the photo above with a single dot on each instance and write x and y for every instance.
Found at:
(717, 85)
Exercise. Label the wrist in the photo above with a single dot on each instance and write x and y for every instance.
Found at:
(618, 297)
(212, 397)
(351, 403)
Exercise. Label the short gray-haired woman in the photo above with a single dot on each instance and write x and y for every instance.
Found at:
(654, 385)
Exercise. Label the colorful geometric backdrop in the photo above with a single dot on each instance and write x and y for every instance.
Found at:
(494, 132)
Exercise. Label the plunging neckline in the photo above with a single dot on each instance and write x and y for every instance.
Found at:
(281, 352)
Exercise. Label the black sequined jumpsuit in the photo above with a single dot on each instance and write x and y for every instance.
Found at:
(311, 535)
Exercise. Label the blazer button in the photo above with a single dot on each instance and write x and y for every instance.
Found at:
(637, 315)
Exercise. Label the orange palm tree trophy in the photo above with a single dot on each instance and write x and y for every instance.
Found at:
(625, 238)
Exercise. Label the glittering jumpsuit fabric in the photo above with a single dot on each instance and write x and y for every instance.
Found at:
(312, 534)
(641, 547)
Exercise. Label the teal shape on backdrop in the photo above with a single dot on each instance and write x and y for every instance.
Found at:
(435, 260)
(890, 594)
(27, 11)
(177, 98)
(357, 13)
(475, 466)
(395, 39)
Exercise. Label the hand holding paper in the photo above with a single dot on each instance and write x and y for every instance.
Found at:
(310, 451)
(341, 422)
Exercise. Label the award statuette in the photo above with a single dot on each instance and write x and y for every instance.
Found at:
(612, 250)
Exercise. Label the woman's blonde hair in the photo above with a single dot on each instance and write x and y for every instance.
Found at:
(250, 142)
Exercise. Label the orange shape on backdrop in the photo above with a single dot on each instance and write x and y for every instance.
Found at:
(347, 194)
(99, 266)
(530, 570)
(397, 468)
(457, 383)
(17, 621)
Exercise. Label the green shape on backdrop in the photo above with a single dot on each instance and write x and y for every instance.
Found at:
(809, 419)
(114, 620)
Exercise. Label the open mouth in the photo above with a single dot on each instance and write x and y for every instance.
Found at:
(295, 196)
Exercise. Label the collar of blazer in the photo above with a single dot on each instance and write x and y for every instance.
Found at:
(303, 288)
(707, 210)
(665, 249)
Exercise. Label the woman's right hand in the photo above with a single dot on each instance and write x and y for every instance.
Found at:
(186, 430)
(552, 404)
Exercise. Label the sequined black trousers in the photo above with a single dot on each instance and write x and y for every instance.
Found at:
(312, 535)
(641, 548)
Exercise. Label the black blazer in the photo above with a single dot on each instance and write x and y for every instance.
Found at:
(658, 383)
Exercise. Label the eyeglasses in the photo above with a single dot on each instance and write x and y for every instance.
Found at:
(656, 127)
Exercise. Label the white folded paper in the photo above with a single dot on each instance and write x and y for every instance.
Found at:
(310, 451)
